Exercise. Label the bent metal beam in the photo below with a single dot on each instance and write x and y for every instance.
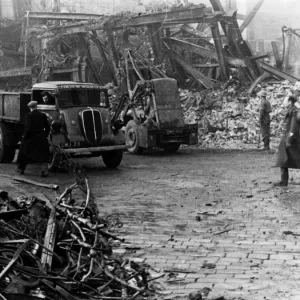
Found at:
(196, 15)
(205, 52)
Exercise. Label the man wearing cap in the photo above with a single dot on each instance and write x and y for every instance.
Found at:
(34, 147)
(288, 155)
(264, 119)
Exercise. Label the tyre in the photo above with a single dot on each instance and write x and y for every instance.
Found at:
(7, 149)
(131, 138)
(171, 148)
(112, 159)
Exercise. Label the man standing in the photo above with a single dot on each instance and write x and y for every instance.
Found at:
(264, 119)
(34, 147)
(289, 148)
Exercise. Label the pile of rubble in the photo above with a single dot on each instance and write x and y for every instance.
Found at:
(230, 119)
(63, 249)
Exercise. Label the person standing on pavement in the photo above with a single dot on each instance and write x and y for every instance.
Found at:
(264, 119)
(289, 148)
(34, 146)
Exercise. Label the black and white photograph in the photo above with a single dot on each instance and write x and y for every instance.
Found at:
(149, 149)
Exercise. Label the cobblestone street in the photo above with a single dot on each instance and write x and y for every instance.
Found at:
(206, 218)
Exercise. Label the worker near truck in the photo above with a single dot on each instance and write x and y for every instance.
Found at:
(264, 118)
(34, 147)
(288, 155)
(47, 99)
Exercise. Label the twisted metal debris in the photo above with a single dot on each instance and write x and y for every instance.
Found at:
(64, 249)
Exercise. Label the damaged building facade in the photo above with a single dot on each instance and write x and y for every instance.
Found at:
(197, 44)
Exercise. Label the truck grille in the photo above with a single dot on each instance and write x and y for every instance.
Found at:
(92, 126)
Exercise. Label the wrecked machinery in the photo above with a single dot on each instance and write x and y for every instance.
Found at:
(153, 115)
(80, 121)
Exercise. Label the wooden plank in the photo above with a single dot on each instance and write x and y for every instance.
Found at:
(257, 81)
(206, 65)
(115, 54)
(90, 59)
(198, 76)
(178, 16)
(16, 72)
(170, 52)
(287, 53)
(217, 6)
(49, 240)
(276, 54)
(220, 52)
(276, 72)
(205, 52)
(191, 15)
(103, 55)
(92, 149)
(260, 56)
(35, 15)
(155, 34)
(75, 28)
(33, 182)
(243, 49)
(201, 41)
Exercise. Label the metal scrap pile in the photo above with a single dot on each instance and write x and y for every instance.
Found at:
(64, 250)
(230, 119)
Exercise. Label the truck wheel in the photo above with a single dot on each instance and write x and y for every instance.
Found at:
(112, 159)
(131, 138)
(171, 148)
(7, 152)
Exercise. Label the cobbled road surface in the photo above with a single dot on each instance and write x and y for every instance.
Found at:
(205, 218)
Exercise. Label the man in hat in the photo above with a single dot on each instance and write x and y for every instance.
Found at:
(264, 119)
(34, 147)
(288, 155)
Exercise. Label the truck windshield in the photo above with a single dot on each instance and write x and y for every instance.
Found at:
(74, 97)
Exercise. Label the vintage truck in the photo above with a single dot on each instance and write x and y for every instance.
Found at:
(151, 110)
(79, 116)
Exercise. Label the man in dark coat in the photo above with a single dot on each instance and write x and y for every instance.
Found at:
(34, 147)
(264, 119)
(289, 148)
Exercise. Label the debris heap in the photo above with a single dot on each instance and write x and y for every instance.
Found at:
(230, 119)
(64, 249)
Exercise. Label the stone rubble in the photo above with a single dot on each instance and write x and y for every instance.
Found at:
(230, 118)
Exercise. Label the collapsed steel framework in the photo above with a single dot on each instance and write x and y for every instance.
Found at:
(229, 49)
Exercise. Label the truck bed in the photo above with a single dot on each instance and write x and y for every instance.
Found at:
(13, 106)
